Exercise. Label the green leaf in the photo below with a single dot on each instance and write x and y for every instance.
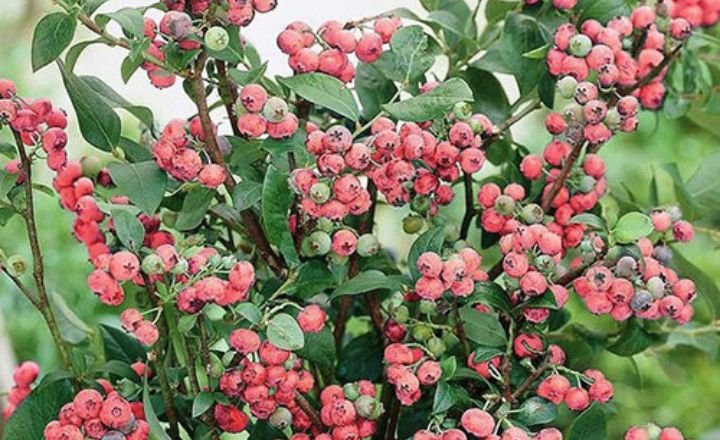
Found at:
(361, 358)
(325, 91)
(521, 34)
(591, 220)
(285, 333)
(73, 54)
(367, 281)
(8, 150)
(483, 328)
(134, 152)
(53, 34)
(40, 407)
(320, 349)
(430, 241)
(203, 402)
(144, 183)
(409, 57)
(444, 398)
(99, 124)
(252, 76)
(590, 425)
(313, 277)
(432, 104)
(632, 340)
(489, 93)
(130, 20)
(247, 194)
(632, 227)
(128, 228)
(449, 366)
(250, 312)
(156, 430)
(72, 328)
(535, 411)
(117, 368)
(484, 354)
(706, 285)
(704, 185)
(114, 100)
(194, 208)
(373, 89)
(493, 295)
(118, 345)
(276, 201)
(602, 11)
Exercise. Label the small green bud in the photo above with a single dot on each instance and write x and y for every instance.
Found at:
(436, 346)
(367, 245)
(351, 391)
(422, 332)
(401, 314)
(462, 110)
(566, 87)
(421, 204)
(532, 214)
(320, 192)
(428, 307)
(504, 205)
(16, 265)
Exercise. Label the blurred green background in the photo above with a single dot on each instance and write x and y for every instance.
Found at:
(679, 386)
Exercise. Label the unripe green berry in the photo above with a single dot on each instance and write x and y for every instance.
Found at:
(545, 263)
(368, 408)
(573, 112)
(152, 264)
(422, 332)
(504, 205)
(587, 184)
(532, 214)
(401, 314)
(612, 119)
(281, 418)
(477, 126)
(656, 287)
(626, 267)
(318, 243)
(368, 245)
(436, 346)
(320, 192)
(428, 307)
(412, 224)
(217, 38)
(215, 260)
(325, 224)
(452, 232)
(228, 262)
(421, 204)
(566, 87)
(91, 166)
(275, 109)
(118, 153)
(351, 391)
(580, 45)
(675, 213)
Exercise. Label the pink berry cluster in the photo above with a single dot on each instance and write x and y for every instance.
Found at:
(24, 376)
(262, 114)
(644, 433)
(92, 415)
(532, 254)
(409, 162)
(176, 151)
(267, 379)
(347, 411)
(697, 12)
(144, 330)
(594, 50)
(591, 386)
(40, 126)
(457, 274)
(562, 5)
(481, 424)
(408, 369)
(237, 12)
(215, 290)
(646, 287)
(335, 41)
(328, 191)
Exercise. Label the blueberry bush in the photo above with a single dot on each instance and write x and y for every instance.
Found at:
(238, 252)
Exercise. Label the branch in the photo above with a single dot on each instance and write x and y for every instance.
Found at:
(469, 206)
(42, 302)
(512, 120)
(525, 386)
(563, 176)
(308, 409)
(248, 216)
